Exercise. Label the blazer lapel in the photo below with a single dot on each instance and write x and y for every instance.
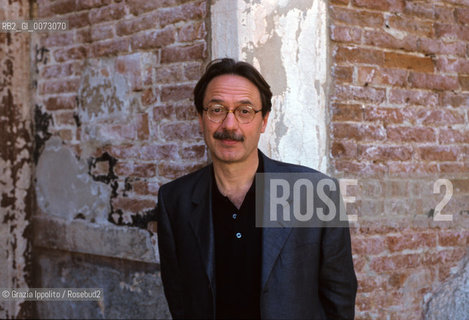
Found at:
(202, 226)
(273, 239)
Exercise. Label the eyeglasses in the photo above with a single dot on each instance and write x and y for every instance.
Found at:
(243, 113)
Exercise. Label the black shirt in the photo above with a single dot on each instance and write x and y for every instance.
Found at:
(238, 254)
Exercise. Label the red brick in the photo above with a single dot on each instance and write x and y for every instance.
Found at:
(117, 132)
(406, 169)
(89, 4)
(383, 39)
(444, 13)
(462, 15)
(411, 134)
(455, 65)
(60, 103)
(356, 17)
(130, 169)
(452, 167)
(450, 136)
(342, 74)
(439, 153)
(83, 35)
(345, 34)
(357, 132)
(126, 27)
(59, 86)
(344, 149)
(453, 238)
(148, 97)
(339, 1)
(411, 25)
(192, 70)
(370, 284)
(169, 73)
(101, 32)
(191, 31)
(153, 39)
(132, 205)
(381, 76)
(387, 115)
(73, 53)
(420, 9)
(145, 188)
(384, 152)
(464, 82)
(368, 245)
(193, 152)
(64, 119)
(108, 13)
(461, 185)
(149, 152)
(137, 7)
(110, 47)
(180, 131)
(176, 170)
(78, 19)
(58, 39)
(62, 6)
(61, 70)
(410, 241)
(130, 66)
(396, 262)
(174, 112)
(442, 117)
(452, 99)
(143, 127)
(433, 81)
(189, 11)
(176, 92)
(444, 256)
(436, 46)
(413, 97)
(451, 32)
(382, 5)
(358, 55)
(405, 61)
(347, 112)
(360, 169)
(355, 93)
(196, 51)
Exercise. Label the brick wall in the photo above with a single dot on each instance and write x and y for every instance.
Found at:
(117, 88)
(399, 122)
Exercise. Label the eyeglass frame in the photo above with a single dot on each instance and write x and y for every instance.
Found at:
(232, 111)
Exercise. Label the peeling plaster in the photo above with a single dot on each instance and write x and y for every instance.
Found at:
(65, 189)
(287, 42)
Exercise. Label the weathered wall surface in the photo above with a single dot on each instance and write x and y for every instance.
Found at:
(15, 160)
(115, 120)
(287, 41)
(399, 109)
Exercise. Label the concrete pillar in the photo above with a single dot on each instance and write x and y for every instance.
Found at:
(287, 41)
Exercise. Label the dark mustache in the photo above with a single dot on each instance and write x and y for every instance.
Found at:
(228, 135)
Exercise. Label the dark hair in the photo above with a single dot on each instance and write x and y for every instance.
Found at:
(223, 66)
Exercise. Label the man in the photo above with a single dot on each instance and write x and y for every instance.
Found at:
(214, 262)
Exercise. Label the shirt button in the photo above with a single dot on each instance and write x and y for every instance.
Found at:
(238, 235)
(235, 215)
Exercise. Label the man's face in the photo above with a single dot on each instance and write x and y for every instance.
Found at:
(231, 141)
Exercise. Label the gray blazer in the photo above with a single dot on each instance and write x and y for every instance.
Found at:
(307, 273)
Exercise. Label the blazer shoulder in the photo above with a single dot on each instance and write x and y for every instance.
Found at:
(186, 183)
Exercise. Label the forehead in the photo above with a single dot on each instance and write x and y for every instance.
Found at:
(231, 87)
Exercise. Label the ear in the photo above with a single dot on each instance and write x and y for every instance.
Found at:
(264, 122)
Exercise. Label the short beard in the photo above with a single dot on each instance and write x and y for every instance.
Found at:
(228, 135)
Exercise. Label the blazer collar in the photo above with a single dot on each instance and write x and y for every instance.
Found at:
(273, 239)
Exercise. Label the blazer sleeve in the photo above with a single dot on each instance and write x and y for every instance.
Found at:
(170, 271)
(337, 280)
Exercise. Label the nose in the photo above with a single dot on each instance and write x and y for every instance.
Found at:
(230, 121)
